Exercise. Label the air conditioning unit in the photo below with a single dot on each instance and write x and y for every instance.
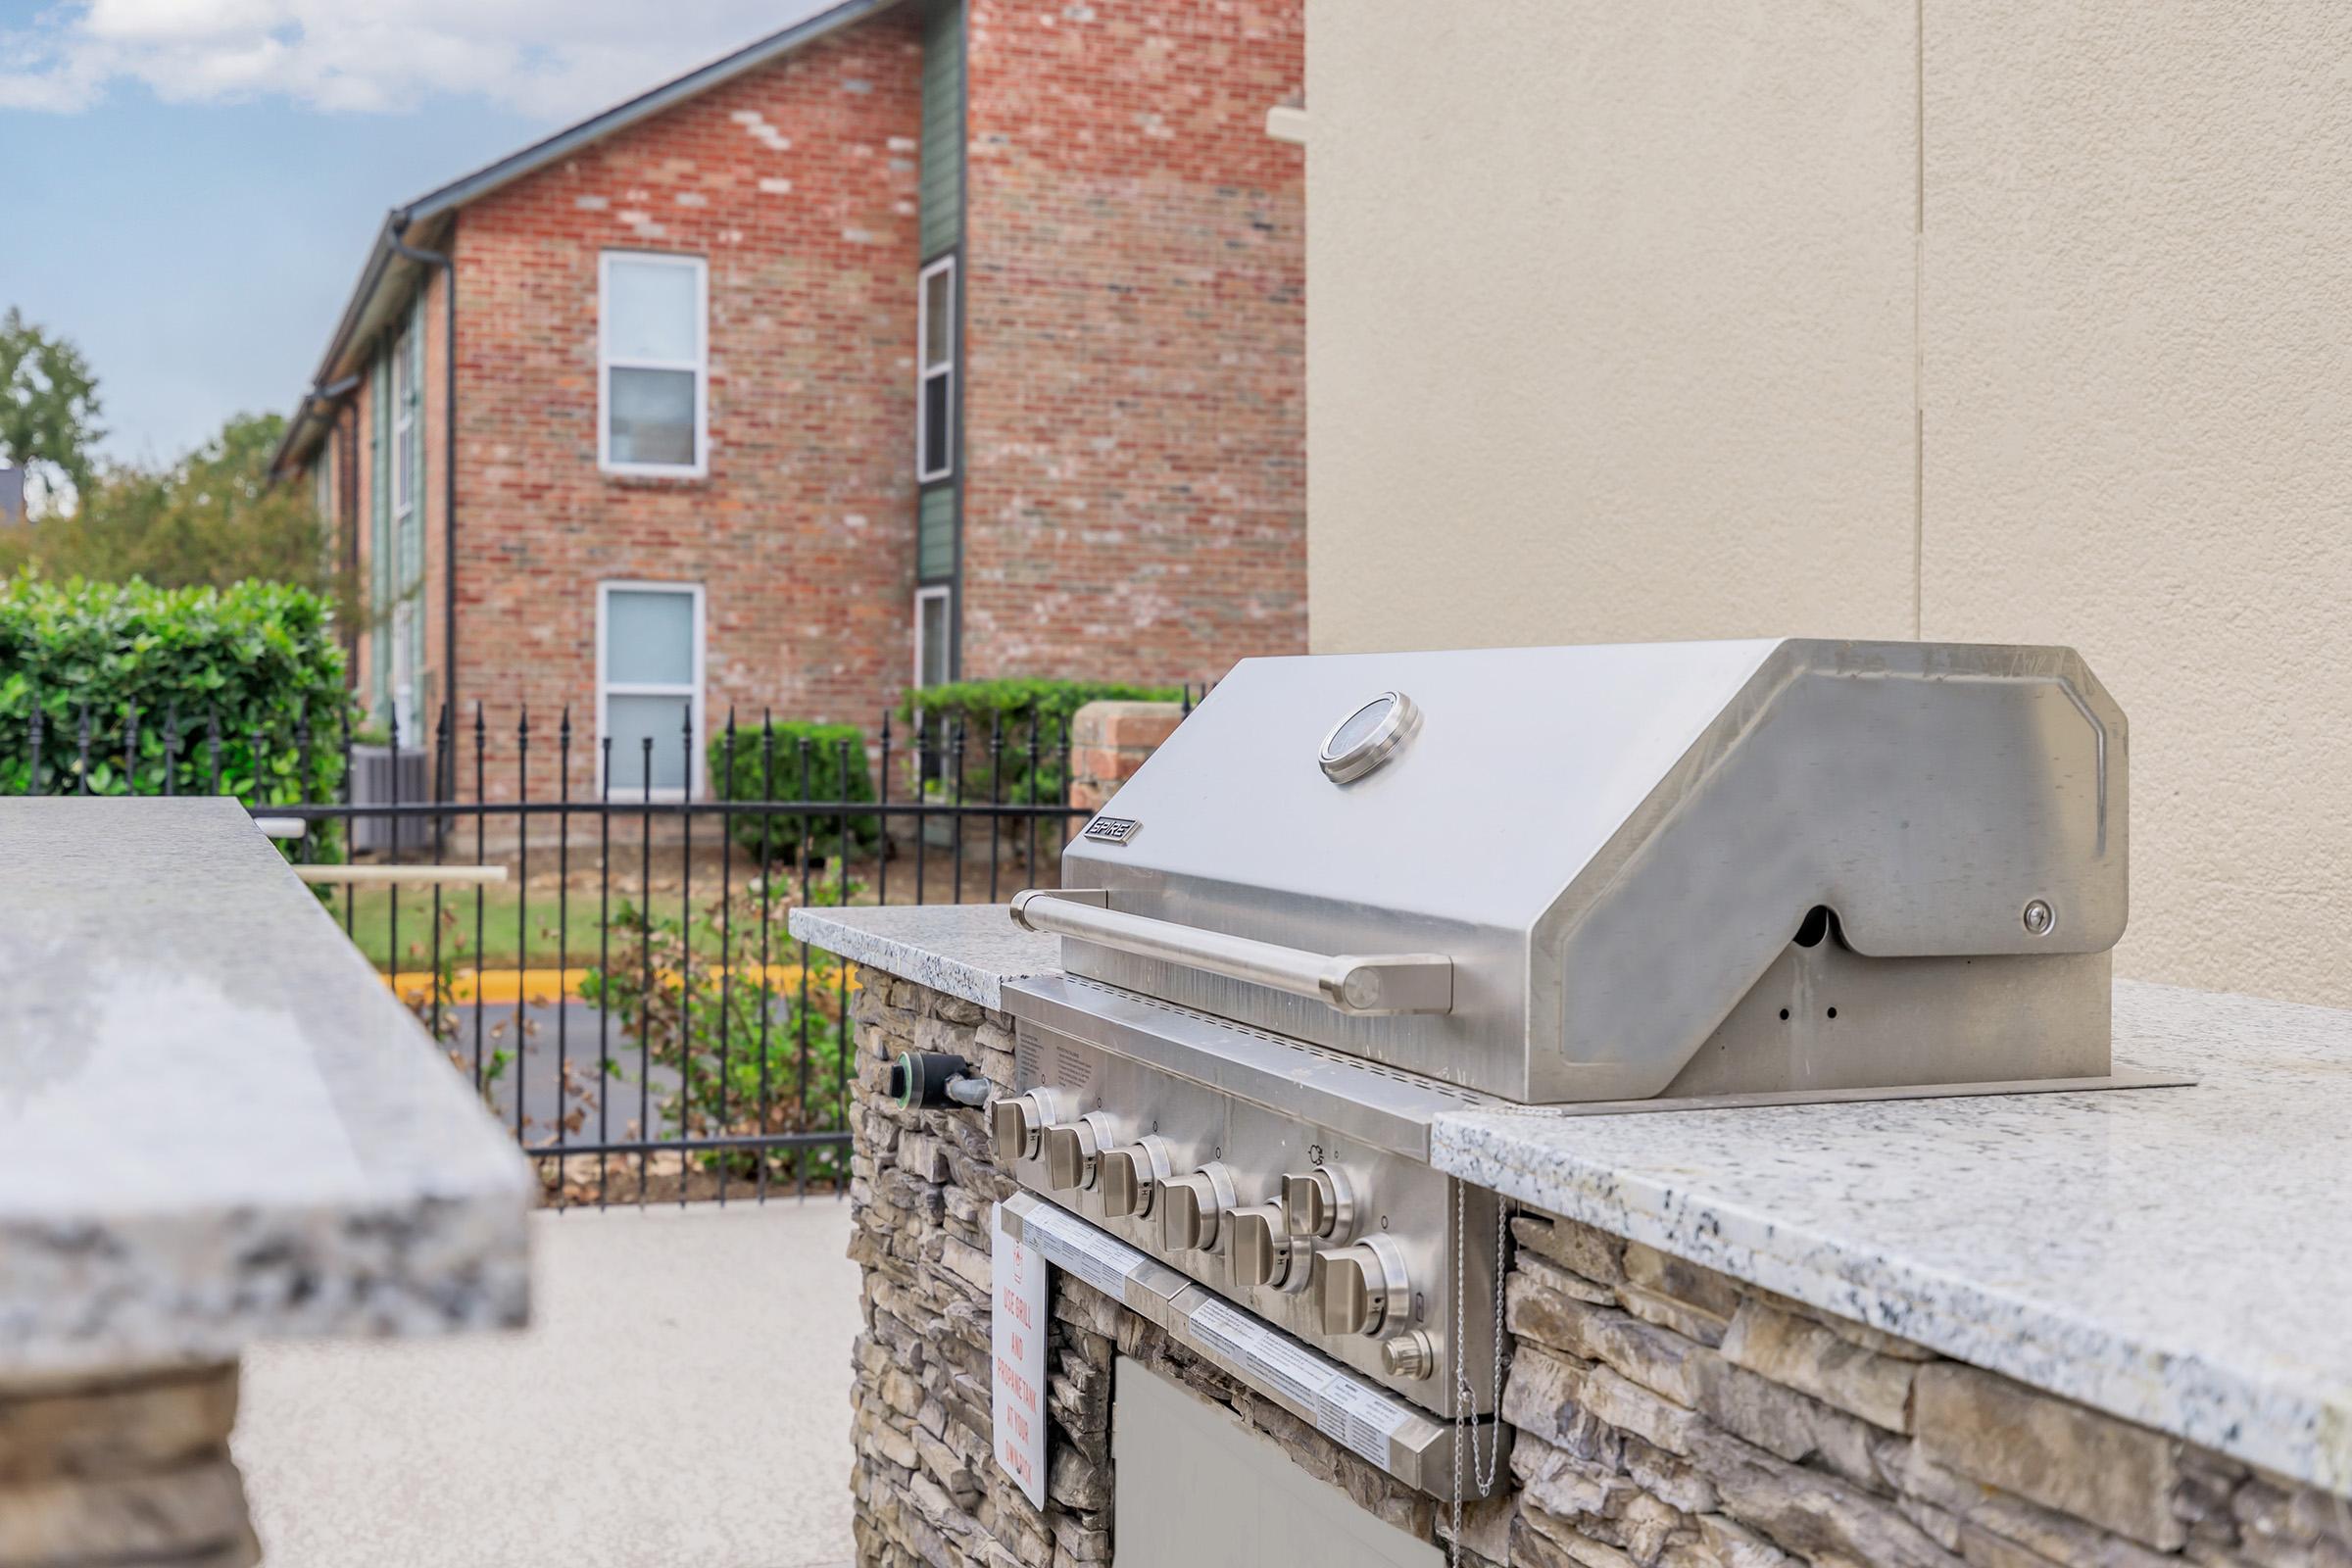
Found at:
(380, 776)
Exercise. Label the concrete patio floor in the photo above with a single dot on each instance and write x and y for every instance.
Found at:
(681, 1397)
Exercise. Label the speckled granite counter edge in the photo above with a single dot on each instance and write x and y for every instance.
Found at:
(967, 951)
(2287, 1427)
(181, 1291)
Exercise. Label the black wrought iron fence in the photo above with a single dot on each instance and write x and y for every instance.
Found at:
(605, 958)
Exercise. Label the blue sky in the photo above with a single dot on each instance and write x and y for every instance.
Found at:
(192, 186)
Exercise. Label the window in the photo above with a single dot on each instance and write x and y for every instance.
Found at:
(404, 429)
(934, 641)
(652, 353)
(935, 364)
(649, 685)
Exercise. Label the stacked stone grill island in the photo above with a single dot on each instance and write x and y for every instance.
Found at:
(1695, 1047)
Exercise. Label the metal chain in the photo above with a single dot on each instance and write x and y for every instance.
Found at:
(1482, 1471)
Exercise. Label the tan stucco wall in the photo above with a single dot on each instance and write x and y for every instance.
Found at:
(1617, 329)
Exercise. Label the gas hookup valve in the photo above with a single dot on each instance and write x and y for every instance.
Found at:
(936, 1080)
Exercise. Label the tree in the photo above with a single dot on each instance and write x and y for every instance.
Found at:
(48, 406)
(211, 519)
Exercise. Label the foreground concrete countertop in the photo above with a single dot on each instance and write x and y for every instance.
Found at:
(2179, 1258)
(216, 1123)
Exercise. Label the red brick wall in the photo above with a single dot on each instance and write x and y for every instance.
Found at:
(1135, 296)
(802, 534)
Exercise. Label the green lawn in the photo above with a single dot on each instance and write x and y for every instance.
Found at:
(503, 946)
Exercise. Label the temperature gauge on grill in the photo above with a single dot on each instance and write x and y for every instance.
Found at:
(1369, 737)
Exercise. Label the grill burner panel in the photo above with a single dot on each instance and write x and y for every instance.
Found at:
(1373, 1293)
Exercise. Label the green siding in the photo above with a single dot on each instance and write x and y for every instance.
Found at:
(934, 548)
(379, 531)
(943, 128)
(412, 554)
(412, 544)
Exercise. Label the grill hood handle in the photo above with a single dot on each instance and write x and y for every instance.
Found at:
(1381, 983)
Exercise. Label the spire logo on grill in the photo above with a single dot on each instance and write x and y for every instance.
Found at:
(1112, 829)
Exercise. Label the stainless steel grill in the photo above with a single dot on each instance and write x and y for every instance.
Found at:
(1354, 892)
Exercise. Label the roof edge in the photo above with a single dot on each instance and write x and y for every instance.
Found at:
(449, 198)
(539, 154)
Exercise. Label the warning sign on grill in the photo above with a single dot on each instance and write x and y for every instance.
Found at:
(1017, 1340)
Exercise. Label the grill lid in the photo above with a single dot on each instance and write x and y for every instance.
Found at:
(1560, 870)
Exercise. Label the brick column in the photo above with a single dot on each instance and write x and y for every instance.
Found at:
(1110, 741)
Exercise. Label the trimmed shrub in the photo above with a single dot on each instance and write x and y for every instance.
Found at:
(998, 719)
(791, 759)
(258, 661)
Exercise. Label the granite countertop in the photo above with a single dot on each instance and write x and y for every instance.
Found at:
(2181, 1257)
(965, 949)
(216, 1124)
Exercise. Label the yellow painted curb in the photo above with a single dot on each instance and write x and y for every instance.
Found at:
(510, 986)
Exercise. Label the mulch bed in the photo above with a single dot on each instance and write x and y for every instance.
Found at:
(571, 1182)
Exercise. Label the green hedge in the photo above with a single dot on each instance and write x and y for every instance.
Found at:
(258, 659)
(998, 720)
(807, 762)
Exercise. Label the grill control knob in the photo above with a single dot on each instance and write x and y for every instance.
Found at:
(1130, 1175)
(1073, 1152)
(1410, 1354)
(1190, 1207)
(1015, 1123)
(1258, 1245)
(1319, 1202)
(1364, 1287)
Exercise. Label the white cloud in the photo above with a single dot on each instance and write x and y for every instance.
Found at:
(553, 59)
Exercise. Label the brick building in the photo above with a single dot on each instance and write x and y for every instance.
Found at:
(924, 338)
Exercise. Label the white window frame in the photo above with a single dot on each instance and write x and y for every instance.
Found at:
(606, 689)
(922, 595)
(699, 364)
(403, 428)
(924, 375)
